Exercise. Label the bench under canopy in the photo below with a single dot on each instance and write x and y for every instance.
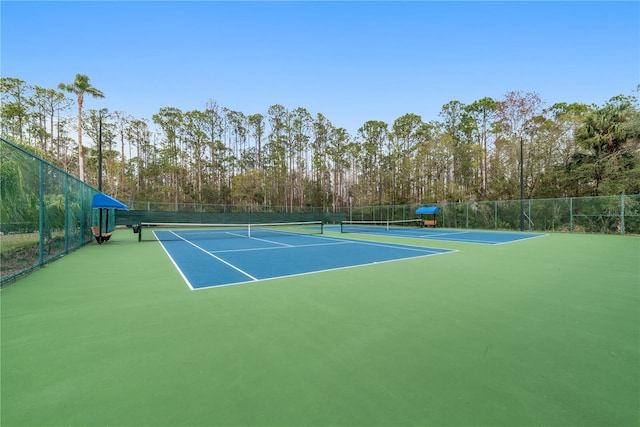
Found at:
(103, 202)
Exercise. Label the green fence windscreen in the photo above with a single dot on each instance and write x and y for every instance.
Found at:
(602, 214)
(44, 211)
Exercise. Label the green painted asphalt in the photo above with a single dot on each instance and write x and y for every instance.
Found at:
(539, 332)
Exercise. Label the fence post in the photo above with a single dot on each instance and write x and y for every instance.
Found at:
(67, 224)
(570, 214)
(622, 214)
(444, 217)
(467, 223)
(495, 215)
(41, 215)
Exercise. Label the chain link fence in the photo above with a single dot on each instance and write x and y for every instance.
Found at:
(45, 212)
(603, 214)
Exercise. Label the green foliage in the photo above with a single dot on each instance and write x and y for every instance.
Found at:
(472, 152)
(18, 191)
(43, 211)
(611, 137)
(248, 188)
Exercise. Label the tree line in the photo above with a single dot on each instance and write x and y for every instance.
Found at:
(290, 157)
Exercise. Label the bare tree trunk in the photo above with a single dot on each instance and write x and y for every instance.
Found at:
(80, 151)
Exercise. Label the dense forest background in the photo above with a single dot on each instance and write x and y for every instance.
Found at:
(290, 157)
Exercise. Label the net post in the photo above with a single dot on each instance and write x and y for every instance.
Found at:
(140, 232)
(321, 227)
(249, 230)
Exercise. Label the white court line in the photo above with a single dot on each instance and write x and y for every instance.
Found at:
(176, 265)
(323, 271)
(289, 246)
(400, 246)
(335, 241)
(236, 234)
(520, 240)
(368, 243)
(261, 240)
(444, 237)
(463, 240)
(213, 256)
(447, 233)
(436, 235)
(271, 241)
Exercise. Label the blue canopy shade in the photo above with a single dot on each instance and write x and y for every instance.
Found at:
(102, 201)
(427, 210)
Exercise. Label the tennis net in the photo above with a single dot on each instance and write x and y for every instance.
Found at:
(148, 231)
(378, 226)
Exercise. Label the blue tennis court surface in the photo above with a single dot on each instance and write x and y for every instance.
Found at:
(454, 235)
(229, 258)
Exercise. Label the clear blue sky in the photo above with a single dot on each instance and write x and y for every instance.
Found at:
(351, 61)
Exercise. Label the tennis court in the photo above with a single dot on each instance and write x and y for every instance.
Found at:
(413, 228)
(543, 331)
(226, 254)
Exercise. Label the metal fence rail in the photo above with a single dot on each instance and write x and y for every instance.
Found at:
(602, 214)
(45, 212)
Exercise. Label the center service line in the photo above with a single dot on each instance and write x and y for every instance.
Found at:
(216, 257)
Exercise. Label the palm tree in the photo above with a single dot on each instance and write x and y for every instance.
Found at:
(80, 86)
